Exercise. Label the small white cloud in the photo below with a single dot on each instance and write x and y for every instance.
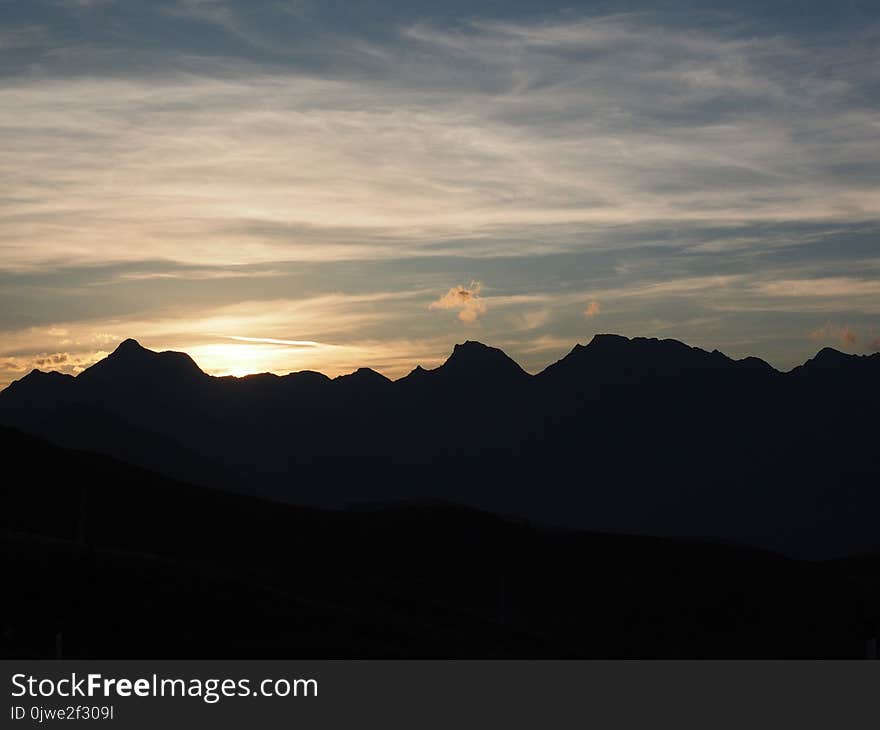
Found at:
(466, 299)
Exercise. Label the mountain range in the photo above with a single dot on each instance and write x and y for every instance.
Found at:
(639, 436)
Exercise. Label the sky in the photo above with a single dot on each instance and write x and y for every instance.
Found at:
(281, 185)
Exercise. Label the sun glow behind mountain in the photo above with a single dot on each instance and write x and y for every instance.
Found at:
(242, 359)
(247, 358)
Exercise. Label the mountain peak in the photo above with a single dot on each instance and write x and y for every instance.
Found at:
(829, 362)
(757, 365)
(471, 349)
(477, 358)
(362, 380)
(43, 375)
(129, 345)
(471, 362)
(604, 340)
(830, 354)
(610, 358)
(827, 359)
(414, 375)
(474, 349)
(131, 350)
(363, 375)
(41, 379)
(132, 360)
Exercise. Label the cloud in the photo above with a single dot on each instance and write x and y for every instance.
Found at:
(189, 274)
(845, 336)
(56, 359)
(83, 4)
(669, 287)
(592, 310)
(30, 36)
(831, 286)
(476, 135)
(466, 299)
(677, 164)
(273, 341)
(63, 362)
(531, 319)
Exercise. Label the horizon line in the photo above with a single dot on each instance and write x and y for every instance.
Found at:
(418, 366)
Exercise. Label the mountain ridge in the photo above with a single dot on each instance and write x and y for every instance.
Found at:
(130, 353)
(643, 436)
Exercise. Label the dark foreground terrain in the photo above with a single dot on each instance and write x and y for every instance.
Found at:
(123, 563)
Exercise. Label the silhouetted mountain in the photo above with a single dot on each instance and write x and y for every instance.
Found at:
(34, 395)
(757, 366)
(131, 364)
(364, 382)
(629, 435)
(615, 360)
(831, 365)
(152, 567)
(472, 364)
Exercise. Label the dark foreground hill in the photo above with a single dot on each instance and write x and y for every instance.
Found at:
(121, 562)
(625, 435)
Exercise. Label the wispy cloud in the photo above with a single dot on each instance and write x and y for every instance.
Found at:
(501, 130)
(273, 341)
(829, 286)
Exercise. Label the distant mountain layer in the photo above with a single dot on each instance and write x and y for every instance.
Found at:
(630, 435)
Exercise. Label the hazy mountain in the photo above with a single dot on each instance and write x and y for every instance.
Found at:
(629, 435)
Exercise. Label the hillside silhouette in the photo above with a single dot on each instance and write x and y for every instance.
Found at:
(111, 560)
(635, 436)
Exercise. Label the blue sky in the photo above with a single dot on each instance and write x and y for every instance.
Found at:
(282, 185)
